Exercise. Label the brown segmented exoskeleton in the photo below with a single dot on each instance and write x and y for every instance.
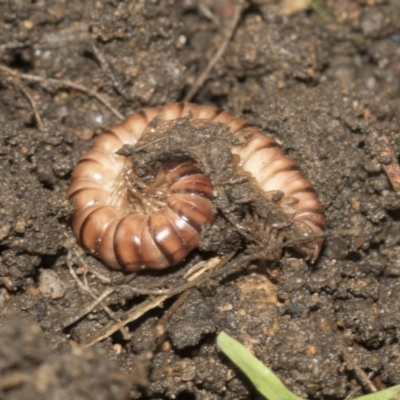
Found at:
(150, 235)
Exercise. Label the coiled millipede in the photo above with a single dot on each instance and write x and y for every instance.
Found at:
(150, 233)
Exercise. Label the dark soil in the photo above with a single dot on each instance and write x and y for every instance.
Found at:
(325, 83)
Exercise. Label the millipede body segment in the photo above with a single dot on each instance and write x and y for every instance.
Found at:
(133, 223)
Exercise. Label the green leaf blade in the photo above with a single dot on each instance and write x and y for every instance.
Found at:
(265, 381)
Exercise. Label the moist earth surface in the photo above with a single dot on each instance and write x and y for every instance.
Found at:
(323, 81)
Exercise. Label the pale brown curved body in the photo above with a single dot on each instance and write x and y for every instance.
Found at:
(124, 237)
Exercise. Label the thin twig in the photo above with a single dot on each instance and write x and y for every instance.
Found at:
(32, 102)
(108, 72)
(85, 287)
(161, 326)
(204, 266)
(198, 268)
(220, 51)
(134, 314)
(105, 280)
(89, 308)
(145, 291)
(220, 270)
(141, 309)
(73, 274)
(63, 83)
(98, 299)
(352, 365)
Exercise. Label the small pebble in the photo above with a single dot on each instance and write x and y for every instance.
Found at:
(50, 284)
